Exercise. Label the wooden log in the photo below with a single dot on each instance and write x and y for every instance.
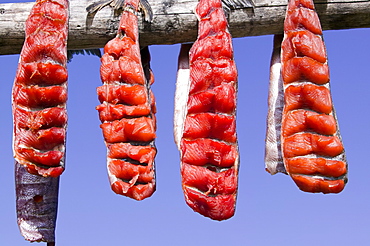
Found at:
(174, 21)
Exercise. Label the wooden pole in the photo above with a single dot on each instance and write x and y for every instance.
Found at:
(174, 21)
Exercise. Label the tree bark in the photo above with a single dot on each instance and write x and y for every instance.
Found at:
(174, 21)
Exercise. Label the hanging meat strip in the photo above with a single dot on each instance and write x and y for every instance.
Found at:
(302, 126)
(127, 107)
(39, 116)
(205, 104)
(40, 90)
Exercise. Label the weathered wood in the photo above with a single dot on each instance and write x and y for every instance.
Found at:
(174, 21)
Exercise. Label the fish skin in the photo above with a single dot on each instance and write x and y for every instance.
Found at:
(36, 205)
(273, 156)
(205, 125)
(303, 132)
(182, 92)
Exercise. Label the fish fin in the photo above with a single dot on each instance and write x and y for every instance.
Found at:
(237, 4)
(145, 8)
(95, 7)
(117, 4)
(94, 52)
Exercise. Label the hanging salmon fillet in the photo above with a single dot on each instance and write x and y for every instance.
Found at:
(205, 124)
(303, 138)
(40, 91)
(39, 117)
(127, 106)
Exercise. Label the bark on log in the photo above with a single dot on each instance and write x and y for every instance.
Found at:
(174, 21)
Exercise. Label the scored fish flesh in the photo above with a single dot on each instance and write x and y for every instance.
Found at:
(127, 109)
(205, 116)
(40, 91)
(303, 138)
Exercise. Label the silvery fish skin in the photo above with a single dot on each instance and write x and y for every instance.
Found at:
(182, 92)
(273, 157)
(36, 204)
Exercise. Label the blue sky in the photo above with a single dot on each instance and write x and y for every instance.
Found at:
(270, 209)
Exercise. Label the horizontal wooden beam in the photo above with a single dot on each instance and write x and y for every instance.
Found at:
(174, 21)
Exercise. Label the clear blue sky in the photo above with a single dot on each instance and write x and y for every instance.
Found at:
(270, 209)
